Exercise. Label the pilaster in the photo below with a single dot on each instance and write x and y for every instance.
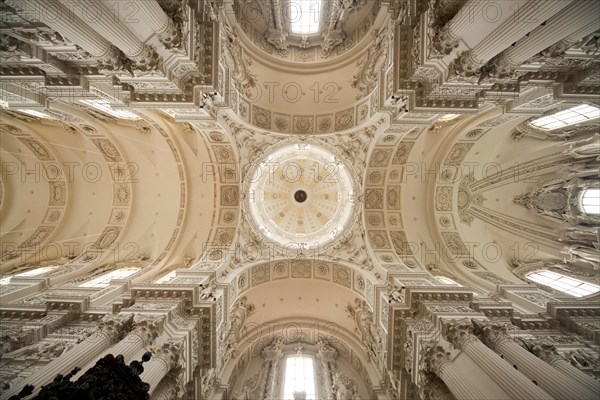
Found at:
(436, 359)
(62, 20)
(111, 329)
(515, 384)
(548, 378)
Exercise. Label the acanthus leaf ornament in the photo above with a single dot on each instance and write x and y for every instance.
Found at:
(174, 37)
(278, 38)
(370, 334)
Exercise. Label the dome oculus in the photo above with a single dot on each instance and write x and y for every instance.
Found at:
(300, 196)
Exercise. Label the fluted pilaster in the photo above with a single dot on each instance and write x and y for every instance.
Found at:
(514, 383)
(154, 371)
(167, 358)
(111, 329)
(65, 22)
(548, 378)
(105, 23)
(143, 333)
(549, 354)
(166, 390)
(580, 18)
(149, 12)
(463, 20)
(515, 28)
(457, 381)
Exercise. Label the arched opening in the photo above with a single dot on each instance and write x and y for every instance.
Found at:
(104, 280)
(571, 116)
(447, 281)
(590, 201)
(299, 381)
(305, 16)
(563, 283)
(33, 272)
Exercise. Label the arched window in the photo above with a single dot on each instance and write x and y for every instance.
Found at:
(571, 116)
(299, 377)
(104, 280)
(448, 117)
(104, 106)
(33, 272)
(563, 283)
(590, 201)
(35, 113)
(446, 281)
(305, 16)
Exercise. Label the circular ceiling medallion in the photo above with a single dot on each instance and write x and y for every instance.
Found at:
(301, 195)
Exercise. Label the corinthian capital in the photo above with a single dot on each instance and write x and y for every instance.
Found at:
(459, 333)
(443, 43)
(490, 333)
(115, 327)
(172, 37)
(147, 60)
(466, 65)
(171, 352)
(148, 328)
(544, 351)
(434, 357)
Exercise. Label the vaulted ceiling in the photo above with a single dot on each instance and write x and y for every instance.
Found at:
(418, 116)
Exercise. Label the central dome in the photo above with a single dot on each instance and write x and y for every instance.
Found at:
(301, 195)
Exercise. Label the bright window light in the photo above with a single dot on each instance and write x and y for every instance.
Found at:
(104, 106)
(563, 283)
(299, 377)
(448, 117)
(590, 201)
(305, 16)
(571, 116)
(166, 278)
(33, 272)
(104, 280)
(35, 113)
(446, 281)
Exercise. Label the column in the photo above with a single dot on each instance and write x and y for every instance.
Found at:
(111, 328)
(447, 38)
(515, 28)
(62, 20)
(166, 390)
(130, 345)
(145, 330)
(463, 20)
(103, 21)
(549, 354)
(457, 381)
(581, 15)
(548, 378)
(150, 13)
(514, 383)
(581, 33)
(154, 370)
(167, 358)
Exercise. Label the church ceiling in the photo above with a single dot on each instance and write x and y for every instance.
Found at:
(382, 173)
